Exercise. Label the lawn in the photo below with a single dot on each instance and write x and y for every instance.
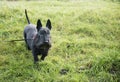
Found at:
(85, 41)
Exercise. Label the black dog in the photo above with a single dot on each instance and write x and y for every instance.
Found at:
(37, 38)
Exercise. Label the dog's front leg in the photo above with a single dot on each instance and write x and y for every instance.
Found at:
(35, 55)
(43, 56)
(35, 58)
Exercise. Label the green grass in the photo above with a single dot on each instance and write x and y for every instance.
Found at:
(85, 41)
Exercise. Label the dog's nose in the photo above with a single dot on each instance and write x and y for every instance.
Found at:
(46, 41)
(47, 44)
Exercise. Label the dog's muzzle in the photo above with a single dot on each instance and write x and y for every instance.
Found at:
(42, 41)
(45, 45)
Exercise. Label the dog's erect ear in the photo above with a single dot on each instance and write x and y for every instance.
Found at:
(39, 24)
(48, 24)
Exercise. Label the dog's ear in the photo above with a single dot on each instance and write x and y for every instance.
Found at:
(39, 25)
(48, 24)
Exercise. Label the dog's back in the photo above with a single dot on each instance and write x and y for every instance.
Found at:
(30, 32)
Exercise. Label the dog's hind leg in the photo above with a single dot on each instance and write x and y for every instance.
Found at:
(26, 42)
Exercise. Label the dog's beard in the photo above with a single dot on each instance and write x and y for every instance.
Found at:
(45, 46)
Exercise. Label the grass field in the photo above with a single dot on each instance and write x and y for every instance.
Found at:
(85, 41)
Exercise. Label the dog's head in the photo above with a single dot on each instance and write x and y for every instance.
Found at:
(43, 38)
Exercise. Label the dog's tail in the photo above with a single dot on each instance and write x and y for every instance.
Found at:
(27, 16)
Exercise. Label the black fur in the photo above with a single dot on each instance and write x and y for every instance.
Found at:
(38, 38)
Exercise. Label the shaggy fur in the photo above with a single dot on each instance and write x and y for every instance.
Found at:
(37, 38)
